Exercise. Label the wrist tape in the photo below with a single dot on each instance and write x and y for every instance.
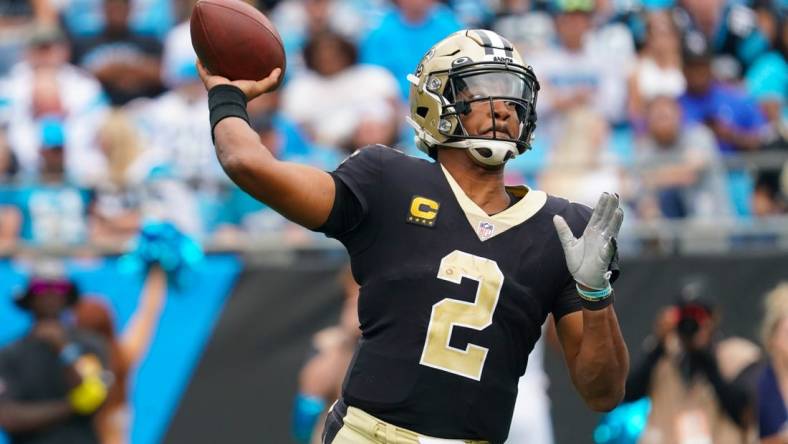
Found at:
(226, 101)
(596, 299)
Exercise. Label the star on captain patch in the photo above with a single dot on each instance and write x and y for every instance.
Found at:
(422, 211)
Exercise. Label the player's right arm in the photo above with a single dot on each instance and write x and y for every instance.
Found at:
(300, 193)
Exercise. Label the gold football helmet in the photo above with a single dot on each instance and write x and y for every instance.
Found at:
(471, 66)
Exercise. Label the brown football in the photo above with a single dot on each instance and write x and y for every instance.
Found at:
(235, 40)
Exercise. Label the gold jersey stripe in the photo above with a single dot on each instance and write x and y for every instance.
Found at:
(524, 209)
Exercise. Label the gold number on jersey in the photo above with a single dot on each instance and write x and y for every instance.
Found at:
(449, 313)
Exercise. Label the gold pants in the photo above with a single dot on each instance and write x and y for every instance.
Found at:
(359, 427)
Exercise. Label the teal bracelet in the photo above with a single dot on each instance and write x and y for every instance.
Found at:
(595, 295)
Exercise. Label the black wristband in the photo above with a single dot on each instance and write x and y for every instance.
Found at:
(226, 101)
(597, 305)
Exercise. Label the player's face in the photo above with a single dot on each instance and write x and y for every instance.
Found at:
(497, 118)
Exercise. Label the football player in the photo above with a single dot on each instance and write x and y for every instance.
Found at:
(457, 271)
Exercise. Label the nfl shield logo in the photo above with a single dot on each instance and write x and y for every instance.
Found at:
(486, 230)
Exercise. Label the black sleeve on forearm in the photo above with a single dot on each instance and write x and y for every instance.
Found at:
(639, 379)
(733, 399)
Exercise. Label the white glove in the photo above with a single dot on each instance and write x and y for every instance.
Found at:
(588, 257)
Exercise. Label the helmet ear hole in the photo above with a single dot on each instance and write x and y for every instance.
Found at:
(422, 111)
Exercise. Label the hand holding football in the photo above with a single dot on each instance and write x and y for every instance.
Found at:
(235, 40)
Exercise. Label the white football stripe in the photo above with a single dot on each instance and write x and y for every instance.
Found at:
(496, 40)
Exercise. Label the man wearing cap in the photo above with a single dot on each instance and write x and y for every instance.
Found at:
(45, 84)
(54, 210)
(731, 113)
(585, 71)
(55, 378)
(689, 372)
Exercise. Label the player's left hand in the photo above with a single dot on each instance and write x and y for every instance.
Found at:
(589, 256)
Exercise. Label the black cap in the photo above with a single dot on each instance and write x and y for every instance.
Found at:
(694, 291)
(47, 273)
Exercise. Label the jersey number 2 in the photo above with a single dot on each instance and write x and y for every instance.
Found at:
(449, 313)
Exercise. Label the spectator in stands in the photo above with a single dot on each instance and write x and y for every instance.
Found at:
(688, 380)
(54, 379)
(9, 167)
(678, 168)
(127, 64)
(299, 20)
(733, 115)
(473, 13)
(530, 30)
(404, 35)
(658, 69)
(731, 28)
(769, 85)
(126, 350)
(116, 210)
(772, 398)
(338, 102)
(16, 17)
(44, 85)
(579, 164)
(176, 123)
(85, 18)
(575, 75)
(175, 151)
(767, 81)
(54, 210)
(320, 380)
(767, 198)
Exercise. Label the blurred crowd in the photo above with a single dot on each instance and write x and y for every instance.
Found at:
(104, 121)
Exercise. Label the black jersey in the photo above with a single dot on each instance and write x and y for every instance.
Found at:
(452, 300)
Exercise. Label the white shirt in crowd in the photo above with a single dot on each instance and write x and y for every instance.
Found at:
(655, 81)
(330, 108)
(601, 67)
(84, 106)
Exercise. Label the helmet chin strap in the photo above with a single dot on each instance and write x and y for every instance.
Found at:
(501, 150)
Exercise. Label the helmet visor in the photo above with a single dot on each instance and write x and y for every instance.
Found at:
(507, 97)
(482, 85)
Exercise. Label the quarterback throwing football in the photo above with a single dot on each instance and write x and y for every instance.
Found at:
(457, 271)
